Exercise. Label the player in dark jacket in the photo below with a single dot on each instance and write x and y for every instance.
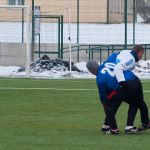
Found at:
(111, 95)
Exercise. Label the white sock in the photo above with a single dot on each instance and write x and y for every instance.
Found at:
(105, 126)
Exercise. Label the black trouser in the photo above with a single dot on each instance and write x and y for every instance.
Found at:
(110, 111)
(133, 95)
(136, 100)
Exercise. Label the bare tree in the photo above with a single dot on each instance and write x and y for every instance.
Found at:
(143, 9)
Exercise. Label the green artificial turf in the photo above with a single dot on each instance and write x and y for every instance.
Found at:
(48, 115)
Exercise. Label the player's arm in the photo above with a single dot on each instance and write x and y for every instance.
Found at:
(124, 61)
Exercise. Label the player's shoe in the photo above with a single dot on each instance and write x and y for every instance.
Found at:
(105, 128)
(144, 127)
(112, 131)
(131, 130)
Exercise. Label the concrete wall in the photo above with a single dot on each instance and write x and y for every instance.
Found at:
(83, 55)
(12, 54)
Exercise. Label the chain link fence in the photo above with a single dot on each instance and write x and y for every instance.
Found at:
(97, 27)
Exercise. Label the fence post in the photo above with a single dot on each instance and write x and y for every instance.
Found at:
(39, 45)
(125, 20)
(78, 54)
(108, 51)
(100, 55)
(92, 53)
(62, 36)
(59, 52)
(107, 11)
(145, 51)
(23, 22)
(134, 19)
(32, 57)
(89, 52)
(78, 19)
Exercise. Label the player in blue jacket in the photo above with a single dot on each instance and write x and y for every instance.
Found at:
(106, 79)
(111, 95)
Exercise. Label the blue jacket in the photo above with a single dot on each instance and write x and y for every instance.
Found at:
(106, 80)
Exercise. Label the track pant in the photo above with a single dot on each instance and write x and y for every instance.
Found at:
(133, 95)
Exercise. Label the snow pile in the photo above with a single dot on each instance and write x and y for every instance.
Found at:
(45, 63)
(142, 69)
(59, 70)
(49, 68)
(82, 66)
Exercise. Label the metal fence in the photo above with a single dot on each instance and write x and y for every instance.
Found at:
(98, 27)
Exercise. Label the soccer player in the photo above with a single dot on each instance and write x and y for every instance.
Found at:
(110, 95)
(126, 60)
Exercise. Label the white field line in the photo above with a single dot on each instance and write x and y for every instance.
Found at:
(53, 80)
(146, 91)
(55, 89)
(64, 80)
(144, 81)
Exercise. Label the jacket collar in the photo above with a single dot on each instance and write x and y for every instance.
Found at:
(134, 54)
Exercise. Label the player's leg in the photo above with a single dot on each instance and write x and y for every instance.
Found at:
(135, 96)
(114, 101)
(106, 125)
(142, 106)
(132, 111)
(111, 110)
(127, 96)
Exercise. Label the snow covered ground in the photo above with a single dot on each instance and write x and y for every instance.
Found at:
(89, 34)
(12, 71)
(142, 71)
